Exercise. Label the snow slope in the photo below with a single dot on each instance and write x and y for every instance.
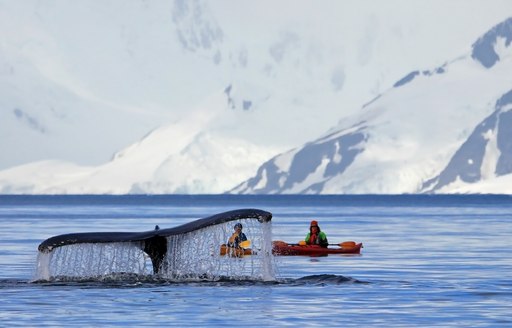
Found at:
(178, 158)
(81, 80)
(436, 130)
(203, 92)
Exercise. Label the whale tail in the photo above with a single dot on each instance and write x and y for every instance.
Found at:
(155, 242)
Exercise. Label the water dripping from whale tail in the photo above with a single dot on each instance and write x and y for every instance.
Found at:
(189, 251)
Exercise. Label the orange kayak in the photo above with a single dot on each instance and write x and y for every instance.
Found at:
(282, 248)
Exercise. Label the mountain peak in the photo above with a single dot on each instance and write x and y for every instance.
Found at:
(406, 141)
(484, 49)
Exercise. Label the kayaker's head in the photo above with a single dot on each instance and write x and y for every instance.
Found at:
(314, 225)
(238, 227)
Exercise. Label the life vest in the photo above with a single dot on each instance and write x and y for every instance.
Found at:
(312, 239)
(236, 239)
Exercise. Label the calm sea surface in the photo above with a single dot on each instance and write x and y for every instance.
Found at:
(427, 261)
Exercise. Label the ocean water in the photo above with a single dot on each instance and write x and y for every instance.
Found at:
(427, 261)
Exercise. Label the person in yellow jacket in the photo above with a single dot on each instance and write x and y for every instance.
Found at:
(237, 237)
(315, 236)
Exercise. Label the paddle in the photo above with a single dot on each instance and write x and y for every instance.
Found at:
(245, 244)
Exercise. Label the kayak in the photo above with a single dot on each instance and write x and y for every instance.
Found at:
(282, 248)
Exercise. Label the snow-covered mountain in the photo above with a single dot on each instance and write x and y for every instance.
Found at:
(81, 80)
(202, 92)
(446, 129)
(178, 158)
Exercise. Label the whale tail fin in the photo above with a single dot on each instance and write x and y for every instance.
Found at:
(154, 242)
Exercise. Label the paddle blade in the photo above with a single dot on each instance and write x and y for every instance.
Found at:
(245, 244)
(347, 244)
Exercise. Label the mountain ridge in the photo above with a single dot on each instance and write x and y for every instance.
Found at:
(70, 94)
(318, 176)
